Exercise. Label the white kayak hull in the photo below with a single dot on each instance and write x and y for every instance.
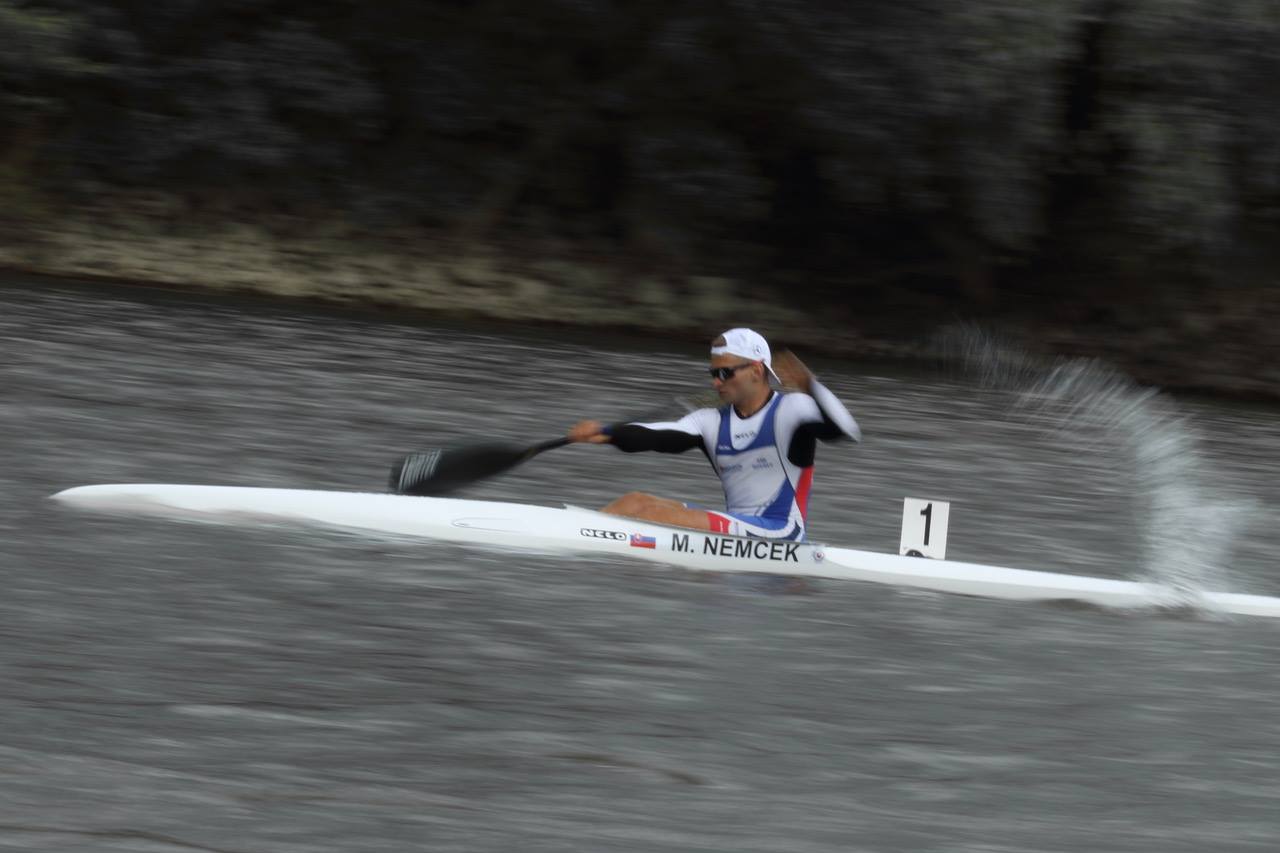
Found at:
(575, 530)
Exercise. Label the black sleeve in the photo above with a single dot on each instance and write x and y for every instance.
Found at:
(804, 446)
(804, 443)
(632, 438)
(826, 431)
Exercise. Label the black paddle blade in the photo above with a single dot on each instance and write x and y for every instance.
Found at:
(438, 472)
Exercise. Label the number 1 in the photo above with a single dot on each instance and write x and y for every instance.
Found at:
(927, 512)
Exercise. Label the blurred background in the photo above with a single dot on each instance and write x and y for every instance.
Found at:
(1098, 176)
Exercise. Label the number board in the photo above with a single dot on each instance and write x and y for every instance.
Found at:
(924, 528)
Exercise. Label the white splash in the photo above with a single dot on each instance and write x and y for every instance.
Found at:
(1186, 526)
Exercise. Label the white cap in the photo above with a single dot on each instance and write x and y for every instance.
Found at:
(748, 344)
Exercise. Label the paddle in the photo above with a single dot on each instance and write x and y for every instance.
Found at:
(438, 472)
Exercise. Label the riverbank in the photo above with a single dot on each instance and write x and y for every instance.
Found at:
(1219, 342)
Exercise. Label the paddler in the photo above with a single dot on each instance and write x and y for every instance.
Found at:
(761, 442)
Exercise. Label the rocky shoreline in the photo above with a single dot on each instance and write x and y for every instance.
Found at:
(1222, 343)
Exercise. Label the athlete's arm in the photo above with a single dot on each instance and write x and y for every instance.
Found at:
(833, 420)
(837, 422)
(633, 438)
(665, 437)
(802, 421)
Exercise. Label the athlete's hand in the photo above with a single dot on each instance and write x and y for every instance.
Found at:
(792, 371)
(588, 431)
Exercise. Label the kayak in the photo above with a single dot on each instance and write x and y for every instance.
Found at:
(573, 530)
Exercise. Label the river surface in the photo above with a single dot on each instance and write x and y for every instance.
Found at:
(174, 687)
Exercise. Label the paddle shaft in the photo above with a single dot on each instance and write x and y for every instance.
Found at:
(438, 472)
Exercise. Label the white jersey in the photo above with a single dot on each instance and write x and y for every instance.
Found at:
(765, 461)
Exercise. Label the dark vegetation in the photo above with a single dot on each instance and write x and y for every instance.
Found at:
(986, 152)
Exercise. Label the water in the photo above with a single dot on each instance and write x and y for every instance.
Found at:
(194, 687)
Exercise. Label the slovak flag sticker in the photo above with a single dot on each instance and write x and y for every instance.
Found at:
(638, 541)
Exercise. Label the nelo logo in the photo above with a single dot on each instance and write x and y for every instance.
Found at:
(603, 534)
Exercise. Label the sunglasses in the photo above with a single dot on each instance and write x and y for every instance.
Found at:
(724, 374)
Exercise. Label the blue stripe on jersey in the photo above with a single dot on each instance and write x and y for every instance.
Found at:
(764, 438)
(781, 506)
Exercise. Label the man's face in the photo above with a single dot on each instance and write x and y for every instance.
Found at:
(742, 383)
